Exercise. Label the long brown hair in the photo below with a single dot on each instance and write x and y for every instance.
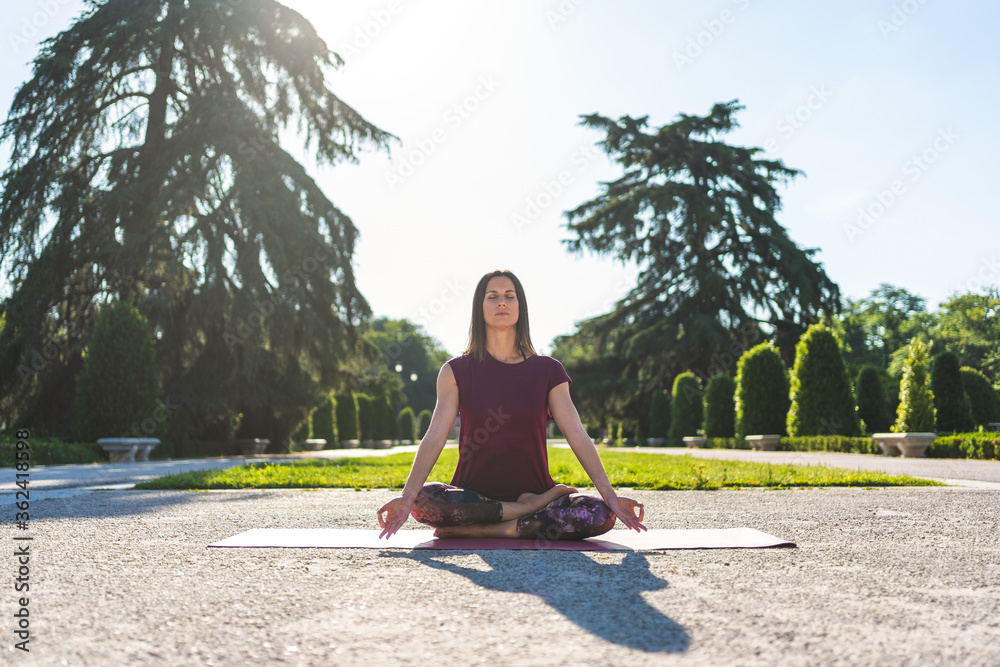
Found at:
(477, 327)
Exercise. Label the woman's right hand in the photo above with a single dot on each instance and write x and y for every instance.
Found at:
(396, 512)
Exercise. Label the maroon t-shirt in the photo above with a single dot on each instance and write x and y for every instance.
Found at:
(504, 413)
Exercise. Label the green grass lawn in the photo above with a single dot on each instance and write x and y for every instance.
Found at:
(625, 469)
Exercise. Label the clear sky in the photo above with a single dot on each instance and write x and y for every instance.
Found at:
(887, 106)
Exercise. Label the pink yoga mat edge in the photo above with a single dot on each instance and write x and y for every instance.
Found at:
(615, 540)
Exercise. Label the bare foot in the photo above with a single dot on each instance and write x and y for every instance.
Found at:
(535, 501)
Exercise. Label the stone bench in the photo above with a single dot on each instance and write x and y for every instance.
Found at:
(764, 443)
(128, 450)
(313, 444)
(252, 446)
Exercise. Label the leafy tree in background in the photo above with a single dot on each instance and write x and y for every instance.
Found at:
(983, 398)
(822, 402)
(686, 408)
(720, 407)
(916, 400)
(872, 406)
(659, 414)
(761, 392)
(969, 325)
(698, 217)
(413, 356)
(600, 393)
(119, 384)
(876, 326)
(145, 164)
(950, 400)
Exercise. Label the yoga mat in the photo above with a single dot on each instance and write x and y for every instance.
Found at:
(615, 540)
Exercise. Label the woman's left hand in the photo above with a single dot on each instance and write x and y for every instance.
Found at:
(628, 511)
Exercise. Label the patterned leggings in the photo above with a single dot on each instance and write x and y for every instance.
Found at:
(570, 517)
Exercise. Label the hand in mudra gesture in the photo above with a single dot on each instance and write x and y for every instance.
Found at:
(396, 511)
(628, 511)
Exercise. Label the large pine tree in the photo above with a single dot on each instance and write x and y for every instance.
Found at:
(697, 215)
(145, 165)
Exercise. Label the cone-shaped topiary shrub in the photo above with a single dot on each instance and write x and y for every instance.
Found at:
(720, 407)
(324, 421)
(822, 402)
(872, 406)
(659, 414)
(304, 430)
(424, 419)
(347, 416)
(386, 424)
(408, 425)
(685, 407)
(366, 417)
(983, 398)
(118, 387)
(916, 401)
(950, 401)
(761, 392)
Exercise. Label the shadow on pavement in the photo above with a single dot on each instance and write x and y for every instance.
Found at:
(603, 599)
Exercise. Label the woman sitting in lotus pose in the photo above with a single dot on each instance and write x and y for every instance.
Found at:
(506, 394)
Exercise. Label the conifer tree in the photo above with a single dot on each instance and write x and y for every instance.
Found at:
(761, 392)
(424, 419)
(951, 403)
(659, 414)
(873, 409)
(821, 399)
(145, 165)
(347, 416)
(720, 407)
(685, 408)
(118, 385)
(698, 217)
(915, 413)
(983, 398)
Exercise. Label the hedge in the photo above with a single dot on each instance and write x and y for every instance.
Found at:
(49, 451)
(977, 445)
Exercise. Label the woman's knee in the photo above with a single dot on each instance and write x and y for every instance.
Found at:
(440, 505)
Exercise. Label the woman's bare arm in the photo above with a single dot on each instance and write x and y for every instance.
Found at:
(567, 418)
(445, 410)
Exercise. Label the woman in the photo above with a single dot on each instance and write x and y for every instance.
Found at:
(506, 394)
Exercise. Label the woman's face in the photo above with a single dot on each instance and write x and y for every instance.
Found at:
(500, 305)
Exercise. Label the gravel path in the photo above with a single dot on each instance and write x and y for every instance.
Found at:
(880, 576)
